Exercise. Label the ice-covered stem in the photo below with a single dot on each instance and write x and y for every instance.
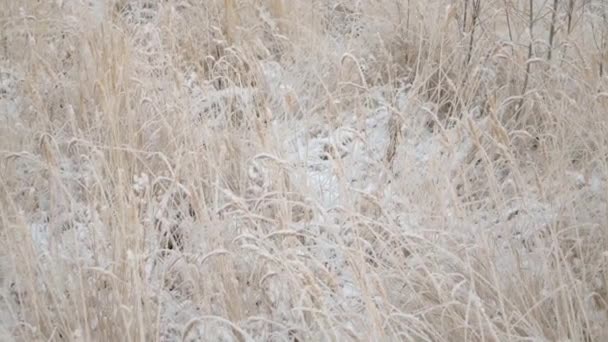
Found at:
(508, 17)
(230, 20)
(552, 29)
(474, 18)
(528, 64)
(604, 52)
(570, 10)
(464, 15)
(277, 7)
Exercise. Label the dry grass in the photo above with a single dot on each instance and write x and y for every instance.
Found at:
(286, 170)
